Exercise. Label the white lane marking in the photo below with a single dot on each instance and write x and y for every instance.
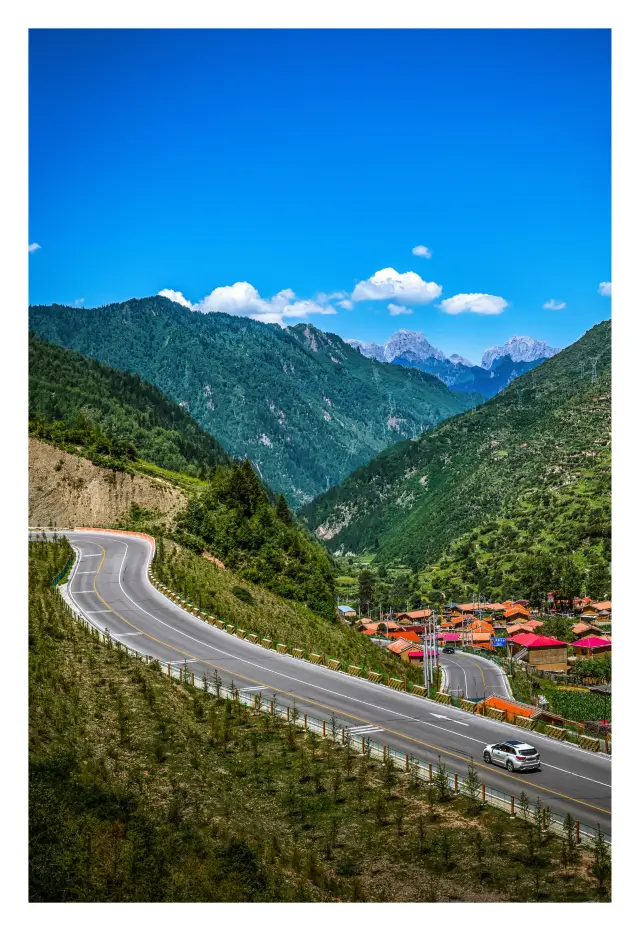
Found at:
(104, 611)
(450, 661)
(136, 634)
(363, 731)
(87, 591)
(90, 555)
(254, 688)
(445, 718)
(549, 766)
(307, 684)
(87, 572)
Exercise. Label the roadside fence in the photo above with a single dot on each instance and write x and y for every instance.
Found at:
(437, 774)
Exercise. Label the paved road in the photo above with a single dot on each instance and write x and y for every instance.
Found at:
(109, 585)
(473, 677)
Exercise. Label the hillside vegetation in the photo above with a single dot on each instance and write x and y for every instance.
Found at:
(144, 790)
(113, 417)
(513, 497)
(302, 405)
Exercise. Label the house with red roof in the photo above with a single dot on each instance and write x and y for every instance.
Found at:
(413, 617)
(543, 652)
(516, 612)
(592, 646)
(581, 629)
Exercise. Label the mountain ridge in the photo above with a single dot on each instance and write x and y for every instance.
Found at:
(264, 392)
(534, 461)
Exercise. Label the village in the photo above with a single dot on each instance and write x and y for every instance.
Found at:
(510, 629)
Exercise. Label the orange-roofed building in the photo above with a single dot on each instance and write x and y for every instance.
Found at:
(516, 613)
(369, 629)
(413, 617)
(398, 647)
(584, 630)
(519, 628)
(411, 635)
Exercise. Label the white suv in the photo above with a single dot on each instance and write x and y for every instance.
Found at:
(513, 754)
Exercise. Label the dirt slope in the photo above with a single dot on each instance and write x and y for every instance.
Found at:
(68, 491)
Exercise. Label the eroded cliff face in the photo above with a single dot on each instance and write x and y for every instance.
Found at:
(68, 491)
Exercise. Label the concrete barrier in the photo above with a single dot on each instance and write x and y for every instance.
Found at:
(253, 638)
(267, 643)
(398, 684)
(419, 690)
(241, 633)
(443, 698)
(496, 713)
(558, 733)
(589, 743)
(282, 648)
(298, 653)
(230, 629)
(315, 658)
(220, 623)
(354, 670)
(374, 676)
(528, 723)
(467, 705)
(334, 664)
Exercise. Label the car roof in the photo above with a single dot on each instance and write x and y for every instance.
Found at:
(517, 743)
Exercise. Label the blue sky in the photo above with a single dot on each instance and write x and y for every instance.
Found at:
(274, 173)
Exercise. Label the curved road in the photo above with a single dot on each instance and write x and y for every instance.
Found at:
(109, 585)
(473, 677)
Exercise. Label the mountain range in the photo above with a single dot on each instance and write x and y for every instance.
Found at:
(513, 495)
(500, 364)
(304, 406)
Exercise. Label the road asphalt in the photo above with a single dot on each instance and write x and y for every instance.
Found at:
(109, 585)
(473, 677)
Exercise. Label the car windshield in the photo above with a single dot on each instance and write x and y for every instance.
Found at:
(530, 752)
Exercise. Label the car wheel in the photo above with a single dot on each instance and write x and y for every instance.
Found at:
(510, 766)
(538, 767)
(487, 756)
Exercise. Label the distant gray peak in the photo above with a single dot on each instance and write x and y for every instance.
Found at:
(405, 344)
(520, 349)
(460, 360)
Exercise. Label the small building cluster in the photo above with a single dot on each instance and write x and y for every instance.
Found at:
(488, 625)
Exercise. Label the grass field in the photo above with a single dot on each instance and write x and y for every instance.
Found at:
(142, 789)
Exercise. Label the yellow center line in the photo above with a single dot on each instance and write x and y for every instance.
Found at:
(310, 701)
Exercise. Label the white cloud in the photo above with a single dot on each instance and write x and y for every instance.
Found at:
(604, 288)
(176, 296)
(397, 309)
(79, 302)
(423, 251)
(33, 246)
(323, 298)
(474, 303)
(346, 304)
(388, 283)
(243, 300)
(551, 304)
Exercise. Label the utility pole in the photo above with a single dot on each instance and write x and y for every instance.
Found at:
(594, 366)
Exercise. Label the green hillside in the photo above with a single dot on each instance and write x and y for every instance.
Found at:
(511, 497)
(76, 401)
(302, 405)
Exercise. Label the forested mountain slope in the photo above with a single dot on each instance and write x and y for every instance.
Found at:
(74, 400)
(304, 406)
(505, 495)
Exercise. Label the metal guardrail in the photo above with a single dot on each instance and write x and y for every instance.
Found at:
(426, 772)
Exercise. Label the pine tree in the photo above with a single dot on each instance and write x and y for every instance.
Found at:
(282, 510)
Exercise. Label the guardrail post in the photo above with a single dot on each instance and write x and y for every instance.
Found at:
(363, 744)
(324, 728)
(430, 772)
(406, 762)
(305, 722)
(577, 832)
(513, 806)
(343, 735)
(287, 712)
(606, 745)
(544, 819)
(455, 783)
(193, 678)
(384, 752)
(484, 793)
(271, 708)
(169, 669)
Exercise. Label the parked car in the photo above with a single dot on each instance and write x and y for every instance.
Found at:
(513, 754)
(449, 650)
